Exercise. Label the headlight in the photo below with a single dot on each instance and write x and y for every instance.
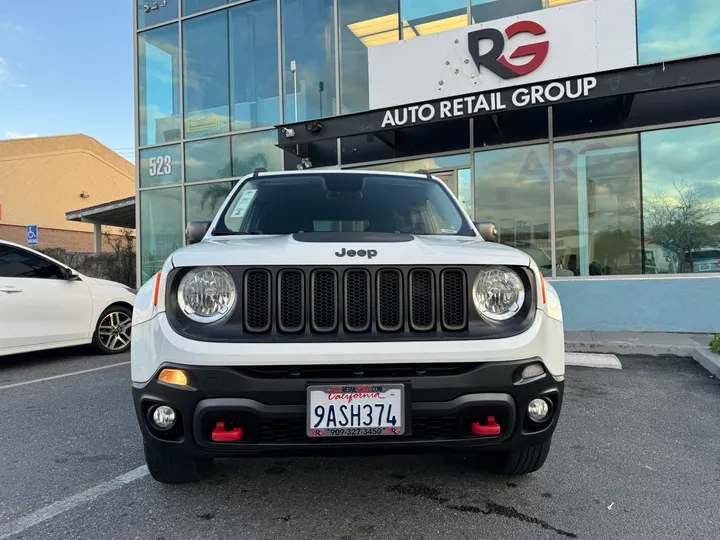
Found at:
(207, 294)
(498, 293)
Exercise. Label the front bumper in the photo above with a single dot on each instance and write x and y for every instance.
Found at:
(271, 409)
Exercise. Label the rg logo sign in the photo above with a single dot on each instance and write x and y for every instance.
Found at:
(495, 59)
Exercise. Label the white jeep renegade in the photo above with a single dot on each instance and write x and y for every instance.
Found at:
(345, 311)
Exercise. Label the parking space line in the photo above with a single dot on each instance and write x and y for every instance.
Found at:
(594, 360)
(63, 375)
(59, 507)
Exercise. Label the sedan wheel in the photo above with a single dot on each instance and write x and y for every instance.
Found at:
(113, 331)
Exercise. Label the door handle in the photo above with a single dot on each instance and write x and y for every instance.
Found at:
(10, 289)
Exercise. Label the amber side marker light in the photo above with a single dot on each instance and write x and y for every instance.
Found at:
(173, 376)
(542, 287)
(157, 288)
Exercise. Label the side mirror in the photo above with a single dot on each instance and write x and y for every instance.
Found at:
(196, 231)
(69, 274)
(487, 230)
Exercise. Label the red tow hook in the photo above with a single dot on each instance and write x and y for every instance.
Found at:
(491, 428)
(219, 434)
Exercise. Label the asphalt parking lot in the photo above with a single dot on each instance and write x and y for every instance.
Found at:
(636, 455)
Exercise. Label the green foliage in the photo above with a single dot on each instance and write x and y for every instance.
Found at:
(715, 344)
(116, 265)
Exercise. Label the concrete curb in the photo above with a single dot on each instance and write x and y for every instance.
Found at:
(625, 347)
(702, 355)
(708, 359)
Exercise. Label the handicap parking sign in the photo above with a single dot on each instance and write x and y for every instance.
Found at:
(32, 235)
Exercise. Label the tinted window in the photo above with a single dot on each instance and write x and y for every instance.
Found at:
(597, 206)
(159, 85)
(18, 263)
(362, 25)
(206, 79)
(254, 76)
(161, 228)
(681, 198)
(512, 189)
(668, 29)
(343, 203)
(308, 31)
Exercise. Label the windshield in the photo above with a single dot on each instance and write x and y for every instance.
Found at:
(342, 203)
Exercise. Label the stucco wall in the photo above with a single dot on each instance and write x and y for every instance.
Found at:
(673, 304)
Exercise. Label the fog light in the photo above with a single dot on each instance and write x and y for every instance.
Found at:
(538, 410)
(164, 417)
(531, 371)
(173, 376)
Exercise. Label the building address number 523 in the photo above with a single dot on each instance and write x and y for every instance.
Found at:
(160, 165)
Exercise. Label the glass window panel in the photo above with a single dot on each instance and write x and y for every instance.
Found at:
(362, 25)
(254, 77)
(161, 228)
(422, 17)
(670, 29)
(160, 166)
(202, 202)
(464, 189)
(597, 207)
(152, 12)
(205, 59)
(681, 199)
(489, 10)
(159, 85)
(254, 150)
(512, 189)
(193, 6)
(309, 41)
(207, 160)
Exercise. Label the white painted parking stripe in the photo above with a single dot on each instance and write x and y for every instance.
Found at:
(59, 507)
(63, 375)
(609, 361)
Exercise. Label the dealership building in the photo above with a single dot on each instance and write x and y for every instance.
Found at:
(587, 130)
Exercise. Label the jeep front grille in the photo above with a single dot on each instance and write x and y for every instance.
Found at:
(357, 300)
(324, 300)
(352, 304)
(257, 301)
(422, 300)
(389, 300)
(415, 301)
(453, 292)
(291, 298)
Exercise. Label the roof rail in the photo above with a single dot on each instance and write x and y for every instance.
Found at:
(257, 171)
(425, 172)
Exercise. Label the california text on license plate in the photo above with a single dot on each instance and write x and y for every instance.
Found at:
(360, 410)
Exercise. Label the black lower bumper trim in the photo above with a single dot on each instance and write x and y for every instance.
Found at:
(272, 412)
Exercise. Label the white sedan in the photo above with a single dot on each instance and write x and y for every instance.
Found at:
(46, 305)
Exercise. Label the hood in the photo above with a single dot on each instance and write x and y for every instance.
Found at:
(332, 249)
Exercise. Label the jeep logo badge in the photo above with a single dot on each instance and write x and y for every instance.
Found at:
(370, 253)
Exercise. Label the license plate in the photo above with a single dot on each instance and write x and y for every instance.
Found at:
(356, 410)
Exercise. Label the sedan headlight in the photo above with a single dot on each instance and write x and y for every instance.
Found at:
(498, 293)
(207, 294)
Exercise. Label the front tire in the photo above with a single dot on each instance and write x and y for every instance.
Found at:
(112, 334)
(171, 468)
(524, 460)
